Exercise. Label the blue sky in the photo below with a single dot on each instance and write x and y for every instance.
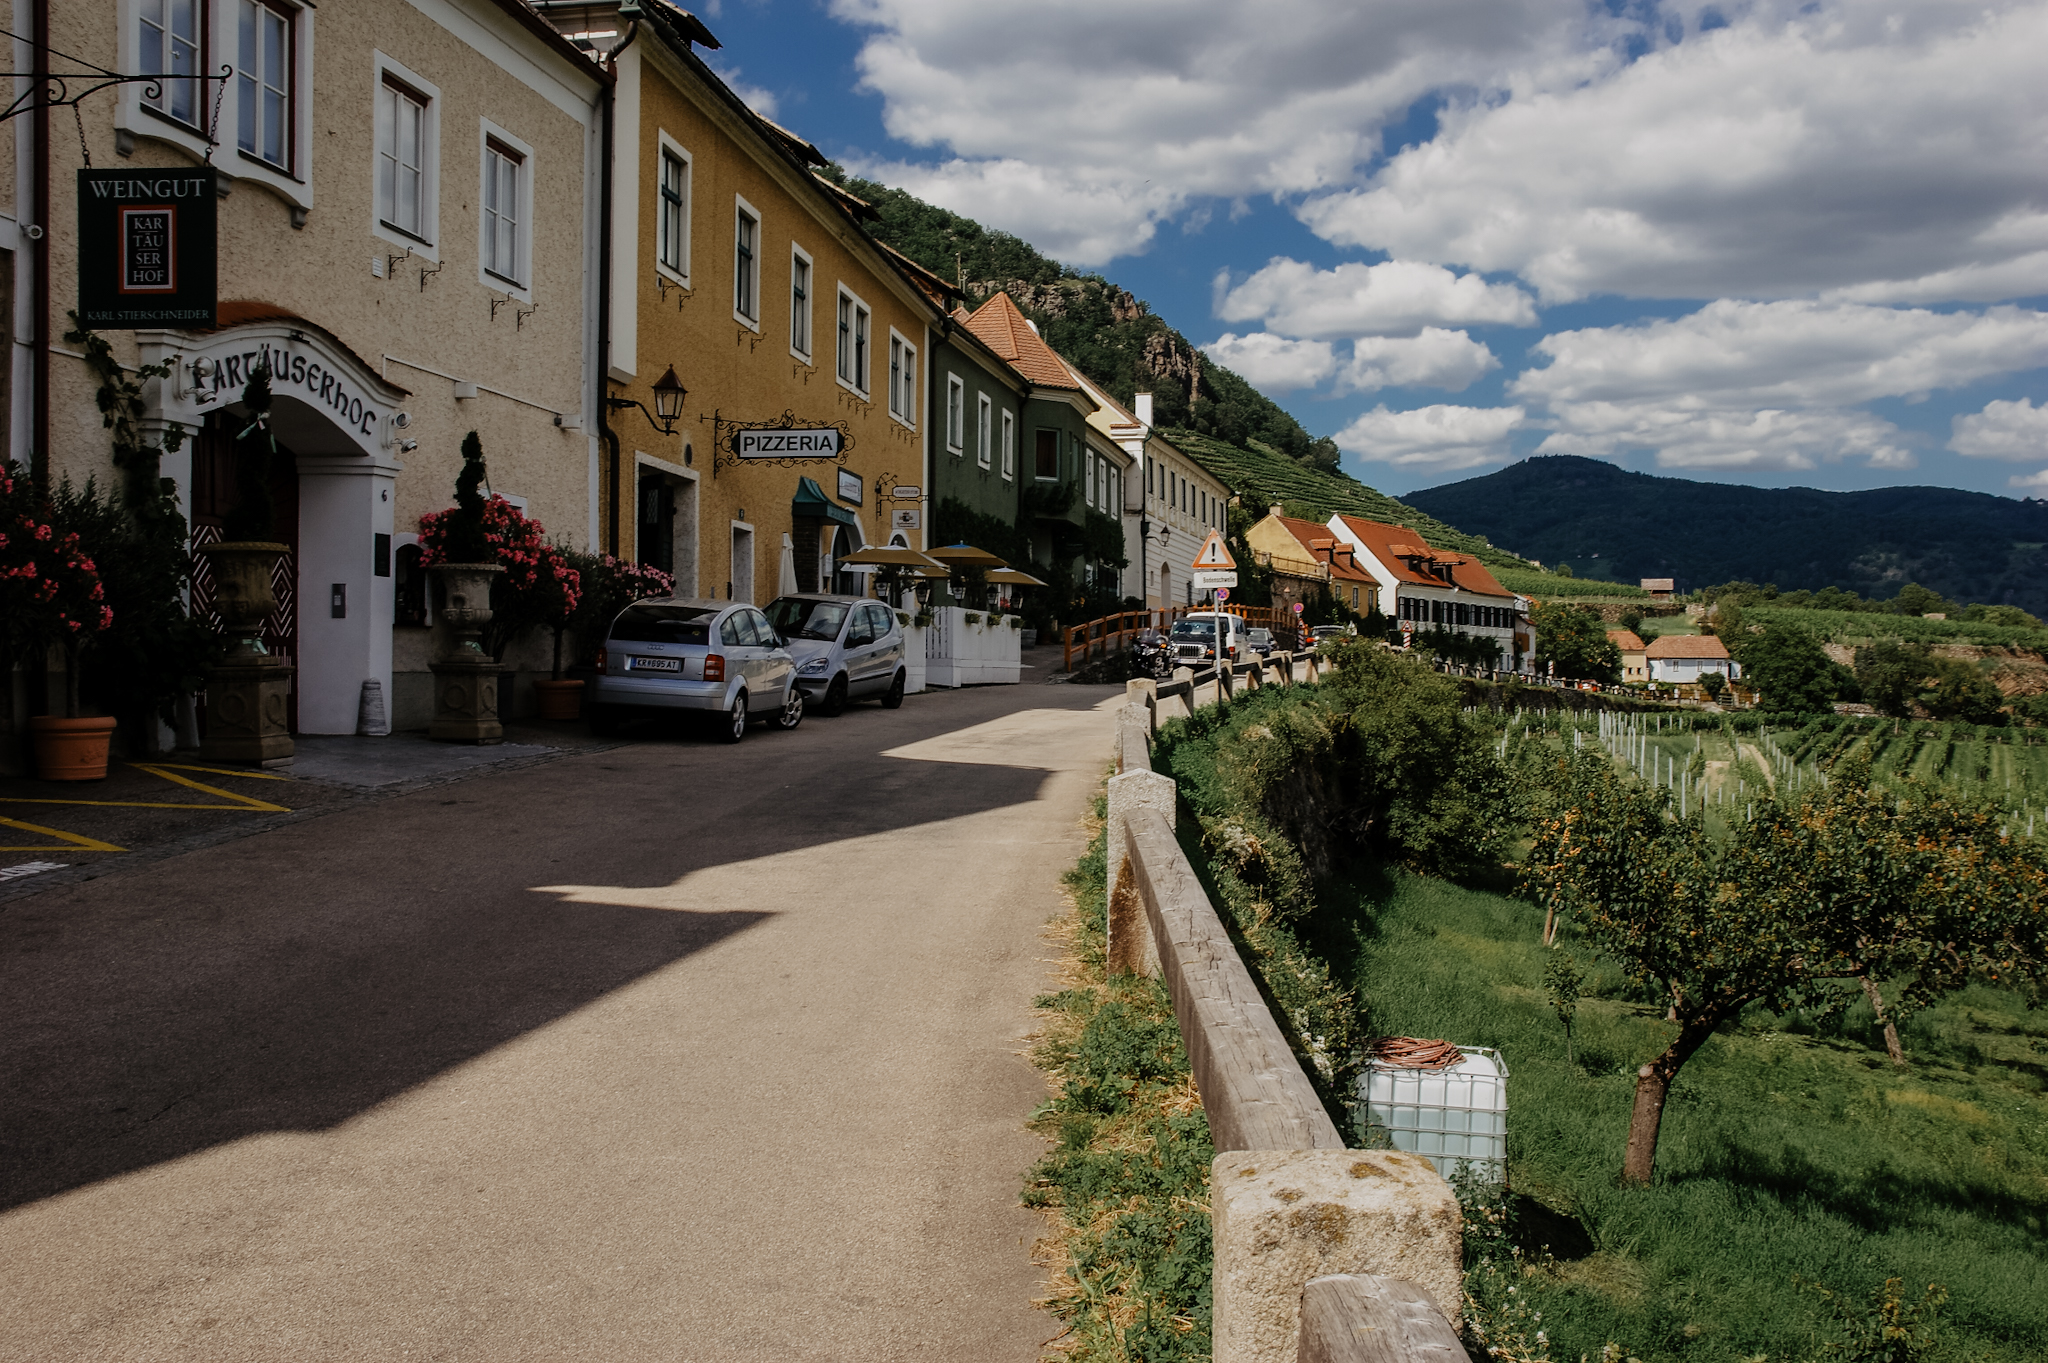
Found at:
(1772, 244)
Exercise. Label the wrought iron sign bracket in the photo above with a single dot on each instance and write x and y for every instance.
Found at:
(725, 441)
(55, 89)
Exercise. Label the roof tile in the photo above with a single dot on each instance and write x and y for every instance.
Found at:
(1687, 646)
(1002, 328)
(1392, 545)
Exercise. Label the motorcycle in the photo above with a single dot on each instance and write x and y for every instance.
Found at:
(1150, 656)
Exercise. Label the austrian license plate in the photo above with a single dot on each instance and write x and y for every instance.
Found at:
(654, 664)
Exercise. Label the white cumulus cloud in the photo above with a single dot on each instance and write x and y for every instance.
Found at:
(2003, 430)
(1393, 298)
(1686, 437)
(1274, 364)
(1437, 358)
(1786, 354)
(1891, 152)
(1442, 438)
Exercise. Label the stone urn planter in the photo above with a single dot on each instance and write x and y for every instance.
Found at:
(559, 699)
(71, 749)
(465, 677)
(248, 687)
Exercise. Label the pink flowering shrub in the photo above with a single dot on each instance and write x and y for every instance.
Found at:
(539, 587)
(50, 589)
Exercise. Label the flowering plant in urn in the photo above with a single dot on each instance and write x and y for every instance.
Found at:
(461, 554)
(538, 586)
(50, 590)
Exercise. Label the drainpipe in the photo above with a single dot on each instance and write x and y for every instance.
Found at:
(39, 255)
(610, 437)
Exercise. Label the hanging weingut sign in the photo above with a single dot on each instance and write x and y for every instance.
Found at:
(146, 248)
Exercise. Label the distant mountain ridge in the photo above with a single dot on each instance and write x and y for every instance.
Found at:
(1610, 523)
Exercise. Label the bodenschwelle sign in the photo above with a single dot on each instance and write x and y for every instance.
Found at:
(146, 248)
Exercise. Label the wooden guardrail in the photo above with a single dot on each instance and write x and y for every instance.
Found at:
(1098, 638)
(1296, 1217)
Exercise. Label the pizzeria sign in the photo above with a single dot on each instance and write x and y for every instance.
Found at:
(823, 442)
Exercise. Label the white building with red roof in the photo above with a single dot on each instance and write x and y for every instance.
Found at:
(1428, 589)
(1682, 659)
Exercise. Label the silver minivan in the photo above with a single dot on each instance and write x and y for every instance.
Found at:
(846, 648)
(678, 654)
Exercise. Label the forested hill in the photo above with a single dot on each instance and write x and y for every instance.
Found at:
(1107, 334)
(1609, 523)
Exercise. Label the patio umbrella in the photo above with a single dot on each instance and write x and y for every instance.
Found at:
(786, 581)
(1010, 577)
(965, 556)
(893, 556)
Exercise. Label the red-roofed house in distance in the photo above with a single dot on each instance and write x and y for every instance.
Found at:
(1427, 588)
(1634, 666)
(1307, 559)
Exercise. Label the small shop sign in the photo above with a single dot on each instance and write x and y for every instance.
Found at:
(147, 242)
(849, 485)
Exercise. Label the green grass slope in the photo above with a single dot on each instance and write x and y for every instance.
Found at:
(1262, 476)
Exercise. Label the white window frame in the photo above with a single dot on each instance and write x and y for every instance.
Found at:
(149, 60)
(902, 379)
(984, 428)
(1009, 445)
(741, 209)
(1088, 494)
(854, 352)
(222, 44)
(248, 70)
(385, 73)
(956, 414)
(806, 310)
(521, 288)
(668, 147)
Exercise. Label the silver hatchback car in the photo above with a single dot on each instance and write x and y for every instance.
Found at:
(846, 648)
(670, 654)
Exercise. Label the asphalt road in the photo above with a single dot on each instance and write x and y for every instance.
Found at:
(671, 1051)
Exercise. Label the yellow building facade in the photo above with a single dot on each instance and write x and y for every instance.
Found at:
(799, 346)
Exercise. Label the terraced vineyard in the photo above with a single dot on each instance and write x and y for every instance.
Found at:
(1721, 764)
(1263, 476)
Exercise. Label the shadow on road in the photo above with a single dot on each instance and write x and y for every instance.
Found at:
(292, 980)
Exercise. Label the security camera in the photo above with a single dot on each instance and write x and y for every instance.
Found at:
(408, 446)
(401, 420)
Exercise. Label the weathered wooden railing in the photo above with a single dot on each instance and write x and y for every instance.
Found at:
(1302, 1225)
(1097, 638)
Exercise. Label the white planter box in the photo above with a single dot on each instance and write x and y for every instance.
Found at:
(987, 652)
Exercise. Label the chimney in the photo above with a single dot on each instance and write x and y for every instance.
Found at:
(1143, 409)
(1273, 510)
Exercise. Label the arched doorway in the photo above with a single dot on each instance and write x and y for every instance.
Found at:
(336, 425)
(223, 461)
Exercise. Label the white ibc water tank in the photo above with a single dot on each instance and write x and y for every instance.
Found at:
(1457, 1113)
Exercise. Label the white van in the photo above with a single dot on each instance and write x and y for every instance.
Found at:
(1194, 640)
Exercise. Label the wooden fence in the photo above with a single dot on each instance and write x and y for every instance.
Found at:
(1323, 1254)
(1100, 638)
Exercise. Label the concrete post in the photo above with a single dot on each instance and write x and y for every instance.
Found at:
(1282, 1217)
(1133, 735)
(1130, 949)
(1144, 691)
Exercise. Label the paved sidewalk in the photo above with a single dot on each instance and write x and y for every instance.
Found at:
(670, 1051)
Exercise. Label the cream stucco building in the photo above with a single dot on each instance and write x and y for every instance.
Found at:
(408, 196)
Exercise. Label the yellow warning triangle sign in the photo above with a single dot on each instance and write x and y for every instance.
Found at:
(1213, 554)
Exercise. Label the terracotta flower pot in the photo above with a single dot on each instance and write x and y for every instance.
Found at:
(559, 699)
(71, 749)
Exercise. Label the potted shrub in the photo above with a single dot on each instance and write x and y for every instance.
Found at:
(536, 587)
(608, 585)
(50, 595)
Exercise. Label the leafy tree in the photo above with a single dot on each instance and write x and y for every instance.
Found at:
(1914, 599)
(1632, 620)
(1787, 665)
(1794, 908)
(1562, 980)
(1575, 639)
(1957, 690)
(1714, 684)
(1891, 675)
(1381, 758)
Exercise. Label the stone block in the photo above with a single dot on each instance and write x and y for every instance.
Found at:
(466, 701)
(1282, 1217)
(1130, 949)
(247, 711)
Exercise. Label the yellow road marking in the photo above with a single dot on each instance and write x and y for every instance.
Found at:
(167, 770)
(82, 843)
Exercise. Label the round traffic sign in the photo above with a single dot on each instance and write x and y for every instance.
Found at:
(1223, 593)
(1297, 607)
